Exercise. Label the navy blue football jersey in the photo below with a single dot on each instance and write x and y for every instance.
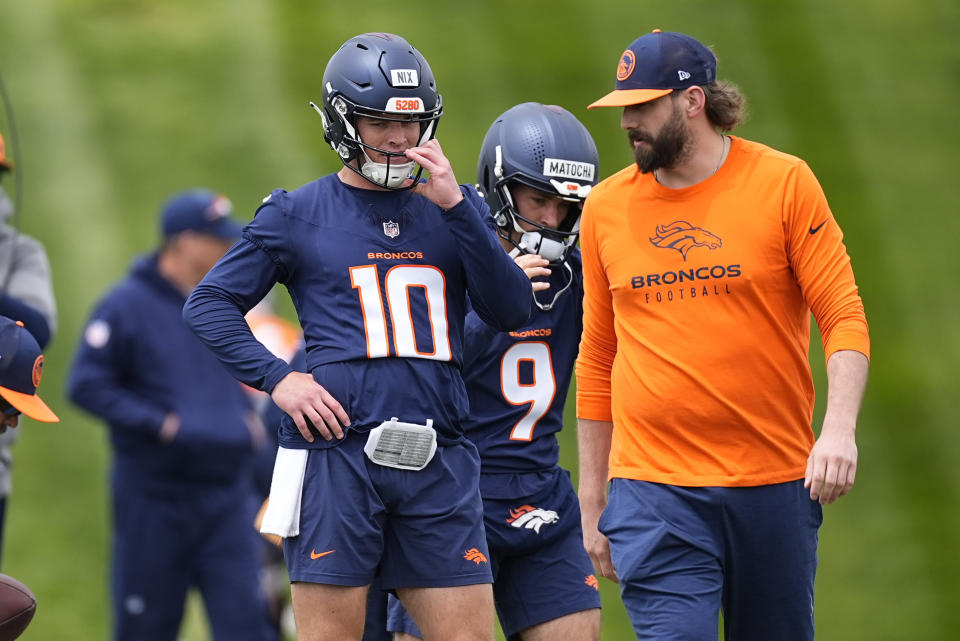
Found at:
(517, 381)
(379, 281)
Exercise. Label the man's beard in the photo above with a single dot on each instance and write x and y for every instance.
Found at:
(667, 150)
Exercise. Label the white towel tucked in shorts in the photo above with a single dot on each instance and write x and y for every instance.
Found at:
(286, 489)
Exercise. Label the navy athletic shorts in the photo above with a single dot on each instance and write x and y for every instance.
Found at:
(359, 520)
(685, 553)
(541, 571)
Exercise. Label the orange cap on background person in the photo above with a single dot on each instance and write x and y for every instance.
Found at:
(21, 367)
(5, 163)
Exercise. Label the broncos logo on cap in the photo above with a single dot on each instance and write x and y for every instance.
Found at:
(627, 61)
(37, 372)
(682, 236)
(531, 518)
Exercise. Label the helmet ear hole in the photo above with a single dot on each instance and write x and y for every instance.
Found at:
(334, 132)
(571, 218)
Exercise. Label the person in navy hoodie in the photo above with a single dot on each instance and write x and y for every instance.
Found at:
(184, 437)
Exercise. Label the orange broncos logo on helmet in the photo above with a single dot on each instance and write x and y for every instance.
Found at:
(683, 236)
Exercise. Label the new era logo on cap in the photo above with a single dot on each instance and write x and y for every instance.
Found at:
(656, 64)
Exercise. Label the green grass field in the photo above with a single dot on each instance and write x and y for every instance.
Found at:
(120, 102)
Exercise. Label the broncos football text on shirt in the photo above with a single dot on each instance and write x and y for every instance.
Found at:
(378, 279)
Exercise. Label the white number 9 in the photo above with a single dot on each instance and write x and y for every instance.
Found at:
(539, 394)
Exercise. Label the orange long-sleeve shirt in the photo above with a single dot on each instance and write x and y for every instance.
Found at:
(697, 319)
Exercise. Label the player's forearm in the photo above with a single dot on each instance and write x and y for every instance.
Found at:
(220, 325)
(499, 289)
(846, 380)
(593, 443)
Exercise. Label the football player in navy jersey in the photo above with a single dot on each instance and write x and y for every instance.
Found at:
(373, 477)
(537, 165)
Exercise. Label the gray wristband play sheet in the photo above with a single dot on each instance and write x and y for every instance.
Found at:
(405, 446)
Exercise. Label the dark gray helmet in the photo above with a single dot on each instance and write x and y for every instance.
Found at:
(544, 147)
(377, 75)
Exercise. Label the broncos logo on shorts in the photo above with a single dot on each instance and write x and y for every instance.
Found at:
(531, 518)
(683, 236)
(475, 555)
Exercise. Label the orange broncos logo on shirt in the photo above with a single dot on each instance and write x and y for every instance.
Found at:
(683, 237)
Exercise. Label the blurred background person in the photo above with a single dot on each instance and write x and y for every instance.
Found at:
(21, 368)
(284, 340)
(184, 437)
(26, 294)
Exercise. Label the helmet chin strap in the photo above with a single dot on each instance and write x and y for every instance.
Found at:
(533, 242)
(386, 174)
(548, 306)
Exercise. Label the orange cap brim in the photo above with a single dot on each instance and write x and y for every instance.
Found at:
(627, 97)
(30, 405)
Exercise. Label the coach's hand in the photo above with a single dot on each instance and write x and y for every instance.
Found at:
(832, 464)
(595, 543)
(441, 187)
(307, 402)
(533, 265)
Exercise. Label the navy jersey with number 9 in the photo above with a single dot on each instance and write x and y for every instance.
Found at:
(517, 381)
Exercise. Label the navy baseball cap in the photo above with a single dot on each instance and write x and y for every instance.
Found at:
(655, 65)
(202, 211)
(21, 367)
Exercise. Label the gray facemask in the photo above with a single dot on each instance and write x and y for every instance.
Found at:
(6, 206)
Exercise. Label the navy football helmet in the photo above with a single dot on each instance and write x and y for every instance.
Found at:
(544, 147)
(377, 75)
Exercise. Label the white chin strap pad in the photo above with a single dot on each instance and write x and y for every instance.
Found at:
(533, 242)
(377, 171)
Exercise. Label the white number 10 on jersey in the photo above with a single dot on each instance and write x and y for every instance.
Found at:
(397, 283)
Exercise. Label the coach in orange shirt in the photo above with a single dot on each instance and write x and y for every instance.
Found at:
(702, 265)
